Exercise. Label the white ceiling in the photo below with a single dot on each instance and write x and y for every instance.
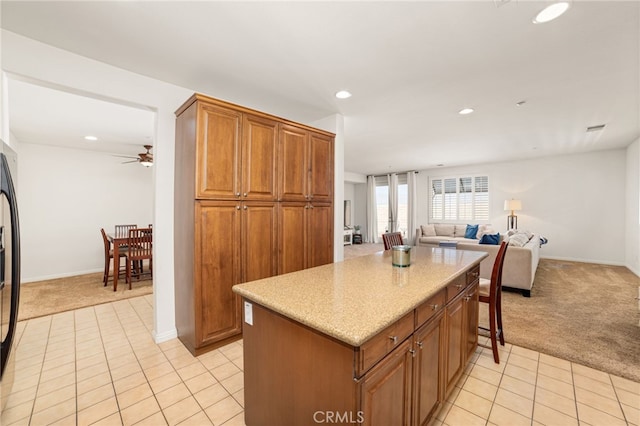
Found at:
(410, 66)
(64, 119)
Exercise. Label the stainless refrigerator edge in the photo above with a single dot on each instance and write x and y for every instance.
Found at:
(9, 269)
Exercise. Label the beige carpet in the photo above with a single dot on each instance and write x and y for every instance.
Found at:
(582, 312)
(64, 294)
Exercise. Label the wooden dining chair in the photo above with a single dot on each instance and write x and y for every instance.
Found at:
(122, 231)
(140, 244)
(108, 255)
(391, 239)
(491, 294)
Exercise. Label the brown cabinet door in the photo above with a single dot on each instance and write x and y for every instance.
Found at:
(319, 234)
(293, 167)
(259, 240)
(217, 152)
(385, 392)
(259, 154)
(428, 369)
(321, 165)
(292, 219)
(217, 265)
(455, 348)
(471, 320)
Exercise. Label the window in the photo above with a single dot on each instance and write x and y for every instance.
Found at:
(459, 198)
(382, 204)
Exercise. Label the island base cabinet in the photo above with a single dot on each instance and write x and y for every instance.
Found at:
(427, 370)
(294, 375)
(385, 391)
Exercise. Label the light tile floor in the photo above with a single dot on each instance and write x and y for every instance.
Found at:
(99, 365)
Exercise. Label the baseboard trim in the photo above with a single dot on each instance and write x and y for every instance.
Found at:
(572, 259)
(167, 335)
(55, 276)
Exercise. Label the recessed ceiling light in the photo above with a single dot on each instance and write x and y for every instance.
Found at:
(91, 138)
(343, 94)
(521, 103)
(551, 12)
(465, 111)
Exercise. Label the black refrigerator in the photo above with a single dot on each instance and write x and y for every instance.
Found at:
(9, 268)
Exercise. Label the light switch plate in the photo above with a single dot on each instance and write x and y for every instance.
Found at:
(248, 313)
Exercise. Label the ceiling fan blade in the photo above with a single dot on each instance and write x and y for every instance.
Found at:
(132, 161)
(123, 156)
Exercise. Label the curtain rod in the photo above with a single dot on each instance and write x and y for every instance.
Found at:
(397, 173)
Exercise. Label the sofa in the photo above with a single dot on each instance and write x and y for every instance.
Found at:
(520, 263)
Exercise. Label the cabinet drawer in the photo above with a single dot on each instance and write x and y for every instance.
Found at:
(429, 308)
(384, 342)
(456, 286)
(473, 274)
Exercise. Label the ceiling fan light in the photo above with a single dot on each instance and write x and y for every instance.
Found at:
(551, 12)
(146, 163)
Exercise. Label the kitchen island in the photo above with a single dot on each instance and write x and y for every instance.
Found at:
(359, 341)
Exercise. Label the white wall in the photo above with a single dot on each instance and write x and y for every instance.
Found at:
(39, 61)
(65, 197)
(632, 232)
(576, 201)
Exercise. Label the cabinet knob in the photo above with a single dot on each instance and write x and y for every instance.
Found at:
(467, 298)
(412, 352)
(311, 206)
(245, 207)
(245, 194)
(237, 207)
(237, 194)
(419, 344)
(394, 339)
(311, 197)
(434, 307)
(459, 285)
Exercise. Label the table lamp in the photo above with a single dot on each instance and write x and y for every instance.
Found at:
(512, 219)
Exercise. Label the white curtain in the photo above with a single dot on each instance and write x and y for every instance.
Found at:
(412, 207)
(372, 217)
(393, 202)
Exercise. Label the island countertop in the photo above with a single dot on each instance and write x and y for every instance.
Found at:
(354, 300)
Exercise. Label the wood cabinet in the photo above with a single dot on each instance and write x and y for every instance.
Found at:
(428, 368)
(306, 235)
(461, 325)
(295, 375)
(385, 391)
(236, 154)
(306, 164)
(229, 227)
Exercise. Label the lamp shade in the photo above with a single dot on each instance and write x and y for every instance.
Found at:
(512, 205)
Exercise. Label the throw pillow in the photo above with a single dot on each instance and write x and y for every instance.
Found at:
(459, 231)
(484, 229)
(428, 230)
(493, 239)
(471, 232)
(518, 240)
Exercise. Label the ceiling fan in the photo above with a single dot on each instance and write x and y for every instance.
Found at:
(144, 158)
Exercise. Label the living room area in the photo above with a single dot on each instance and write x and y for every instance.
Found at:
(583, 284)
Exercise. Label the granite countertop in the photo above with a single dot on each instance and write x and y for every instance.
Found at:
(354, 300)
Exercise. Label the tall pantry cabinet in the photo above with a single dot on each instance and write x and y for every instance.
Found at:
(253, 199)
